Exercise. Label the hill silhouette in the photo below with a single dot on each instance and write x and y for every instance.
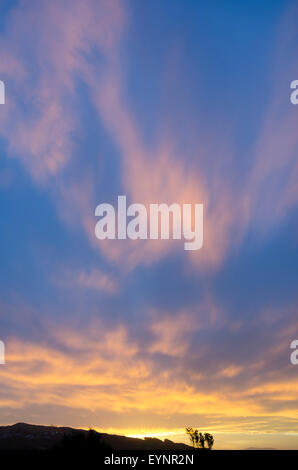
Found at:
(23, 436)
(64, 446)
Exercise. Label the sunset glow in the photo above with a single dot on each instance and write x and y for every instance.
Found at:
(163, 102)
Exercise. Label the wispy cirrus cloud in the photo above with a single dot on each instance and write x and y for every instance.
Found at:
(142, 356)
(41, 119)
(94, 279)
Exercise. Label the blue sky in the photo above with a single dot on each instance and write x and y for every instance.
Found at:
(164, 101)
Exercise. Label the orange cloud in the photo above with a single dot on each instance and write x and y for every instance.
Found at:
(100, 368)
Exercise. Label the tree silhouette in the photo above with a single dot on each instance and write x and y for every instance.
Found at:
(209, 439)
(198, 439)
(193, 436)
(201, 441)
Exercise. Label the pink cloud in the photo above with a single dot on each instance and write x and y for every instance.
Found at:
(93, 279)
(39, 129)
(43, 49)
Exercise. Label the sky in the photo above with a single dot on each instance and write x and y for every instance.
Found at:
(161, 101)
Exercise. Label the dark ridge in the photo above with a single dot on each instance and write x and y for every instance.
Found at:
(23, 436)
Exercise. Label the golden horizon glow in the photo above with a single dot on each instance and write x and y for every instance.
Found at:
(134, 336)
